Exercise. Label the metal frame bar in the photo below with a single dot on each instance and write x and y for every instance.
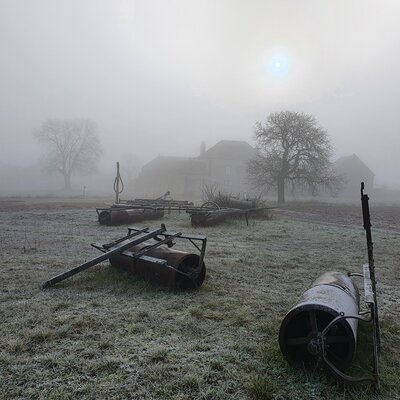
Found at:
(369, 297)
(134, 237)
(118, 248)
(170, 235)
(374, 378)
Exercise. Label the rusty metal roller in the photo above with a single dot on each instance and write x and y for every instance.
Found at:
(302, 338)
(124, 216)
(186, 271)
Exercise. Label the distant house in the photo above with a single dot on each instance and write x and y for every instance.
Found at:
(355, 171)
(224, 164)
(227, 165)
(178, 175)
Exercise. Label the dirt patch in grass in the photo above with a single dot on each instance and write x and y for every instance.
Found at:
(105, 334)
(50, 203)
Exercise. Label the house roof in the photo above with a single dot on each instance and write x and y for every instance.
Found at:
(224, 150)
(230, 150)
(351, 162)
(175, 165)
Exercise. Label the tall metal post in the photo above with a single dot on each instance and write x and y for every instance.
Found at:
(370, 247)
(117, 185)
(117, 182)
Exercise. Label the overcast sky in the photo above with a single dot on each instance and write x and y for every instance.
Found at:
(158, 77)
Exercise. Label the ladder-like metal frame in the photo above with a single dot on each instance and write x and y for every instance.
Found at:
(134, 237)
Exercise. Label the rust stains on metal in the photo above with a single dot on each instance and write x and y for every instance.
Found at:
(115, 216)
(156, 261)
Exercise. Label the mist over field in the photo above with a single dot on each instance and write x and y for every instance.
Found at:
(159, 78)
(180, 188)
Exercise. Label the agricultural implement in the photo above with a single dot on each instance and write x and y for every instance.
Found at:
(128, 211)
(321, 329)
(164, 201)
(117, 215)
(208, 217)
(202, 217)
(156, 261)
(205, 215)
(233, 202)
(137, 210)
(123, 213)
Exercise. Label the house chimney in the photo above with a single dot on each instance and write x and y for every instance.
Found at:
(202, 148)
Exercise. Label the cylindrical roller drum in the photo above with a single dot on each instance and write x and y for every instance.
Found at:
(331, 294)
(241, 204)
(187, 263)
(207, 218)
(115, 217)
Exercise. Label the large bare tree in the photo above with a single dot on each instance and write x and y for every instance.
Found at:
(73, 146)
(292, 149)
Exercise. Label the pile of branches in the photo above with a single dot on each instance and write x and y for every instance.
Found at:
(212, 193)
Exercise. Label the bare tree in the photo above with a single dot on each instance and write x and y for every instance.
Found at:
(292, 149)
(73, 146)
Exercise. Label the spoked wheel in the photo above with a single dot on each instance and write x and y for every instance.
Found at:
(303, 343)
(210, 204)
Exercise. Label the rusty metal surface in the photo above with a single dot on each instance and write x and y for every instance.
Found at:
(187, 263)
(116, 216)
(208, 218)
(115, 247)
(156, 260)
(241, 204)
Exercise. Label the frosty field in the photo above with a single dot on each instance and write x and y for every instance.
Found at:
(106, 334)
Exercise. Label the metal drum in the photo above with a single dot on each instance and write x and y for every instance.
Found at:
(186, 273)
(125, 216)
(300, 336)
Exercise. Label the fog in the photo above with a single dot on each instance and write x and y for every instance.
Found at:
(159, 77)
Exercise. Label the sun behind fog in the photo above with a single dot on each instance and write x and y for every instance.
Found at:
(277, 65)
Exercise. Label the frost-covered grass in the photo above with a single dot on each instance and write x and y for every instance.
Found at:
(105, 334)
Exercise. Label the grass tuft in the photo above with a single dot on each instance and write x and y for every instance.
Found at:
(262, 388)
(158, 355)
